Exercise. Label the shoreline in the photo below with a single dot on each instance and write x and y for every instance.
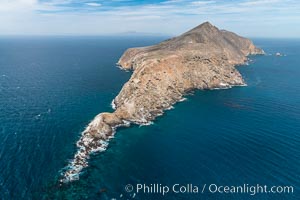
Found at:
(162, 75)
(87, 145)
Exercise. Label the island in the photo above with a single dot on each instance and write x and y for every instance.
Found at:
(202, 58)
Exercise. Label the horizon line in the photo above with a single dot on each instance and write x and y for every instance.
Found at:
(130, 35)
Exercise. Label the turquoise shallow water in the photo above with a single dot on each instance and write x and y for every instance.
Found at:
(50, 88)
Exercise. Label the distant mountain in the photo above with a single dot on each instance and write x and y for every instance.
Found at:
(135, 33)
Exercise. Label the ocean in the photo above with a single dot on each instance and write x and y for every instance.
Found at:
(52, 87)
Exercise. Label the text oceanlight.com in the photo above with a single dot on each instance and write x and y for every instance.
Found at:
(208, 188)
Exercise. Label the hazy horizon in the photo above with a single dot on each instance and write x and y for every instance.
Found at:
(249, 18)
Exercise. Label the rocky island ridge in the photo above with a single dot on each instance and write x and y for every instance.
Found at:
(202, 58)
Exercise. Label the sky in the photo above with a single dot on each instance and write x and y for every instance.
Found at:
(252, 18)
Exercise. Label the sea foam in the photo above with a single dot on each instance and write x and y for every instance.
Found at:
(87, 145)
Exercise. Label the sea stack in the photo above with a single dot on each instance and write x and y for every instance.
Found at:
(202, 58)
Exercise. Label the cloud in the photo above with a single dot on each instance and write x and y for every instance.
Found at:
(202, 2)
(93, 4)
(258, 2)
(10, 5)
(247, 17)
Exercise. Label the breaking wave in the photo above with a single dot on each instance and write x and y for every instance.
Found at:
(87, 145)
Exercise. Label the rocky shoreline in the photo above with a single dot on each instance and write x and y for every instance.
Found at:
(202, 58)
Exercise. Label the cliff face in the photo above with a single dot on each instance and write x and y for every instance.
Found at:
(202, 58)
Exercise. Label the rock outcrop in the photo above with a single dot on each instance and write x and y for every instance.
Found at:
(202, 58)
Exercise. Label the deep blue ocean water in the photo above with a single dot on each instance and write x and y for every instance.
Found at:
(51, 87)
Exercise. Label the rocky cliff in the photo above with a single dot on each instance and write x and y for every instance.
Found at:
(202, 58)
